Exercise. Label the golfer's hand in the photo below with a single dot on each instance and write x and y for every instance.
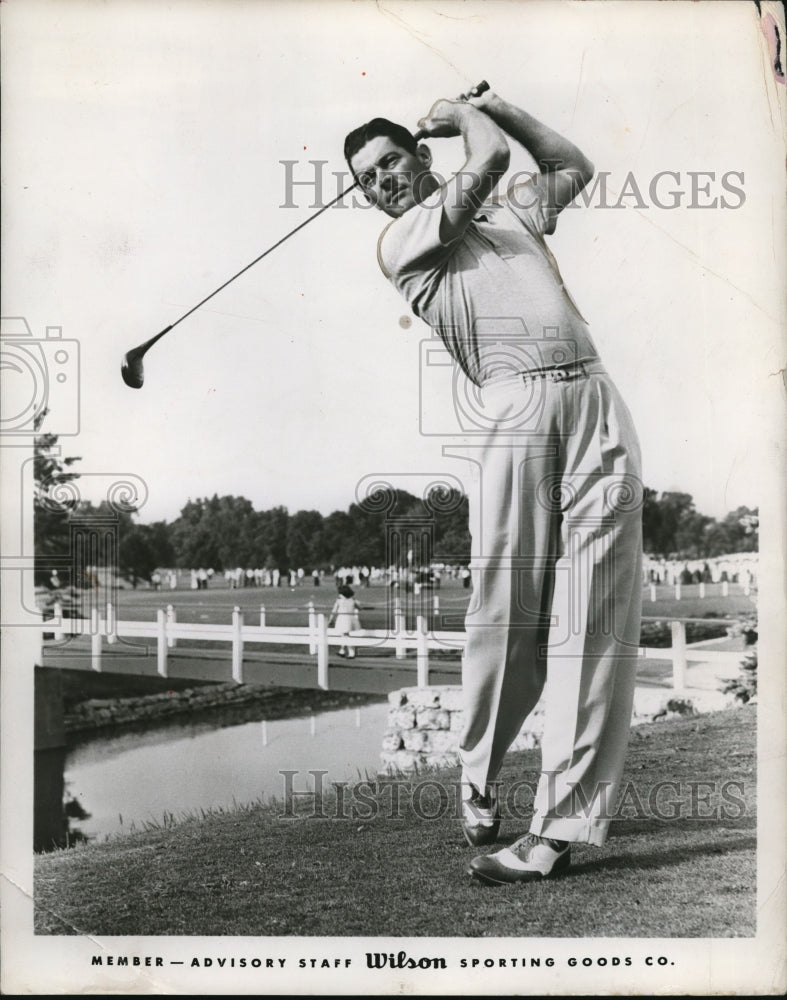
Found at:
(485, 101)
(444, 119)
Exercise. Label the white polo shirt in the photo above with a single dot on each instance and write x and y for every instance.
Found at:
(494, 294)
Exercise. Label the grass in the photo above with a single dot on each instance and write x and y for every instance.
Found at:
(289, 606)
(252, 872)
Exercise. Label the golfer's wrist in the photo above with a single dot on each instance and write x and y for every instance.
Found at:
(495, 107)
(466, 113)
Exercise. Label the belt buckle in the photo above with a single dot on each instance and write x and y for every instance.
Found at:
(559, 374)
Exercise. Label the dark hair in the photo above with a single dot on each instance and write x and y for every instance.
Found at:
(346, 592)
(358, 138)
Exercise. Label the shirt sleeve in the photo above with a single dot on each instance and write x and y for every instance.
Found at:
(413, 240)
(527, 200)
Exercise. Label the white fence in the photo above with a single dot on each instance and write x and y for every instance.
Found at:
(167, 630)
(701, 590)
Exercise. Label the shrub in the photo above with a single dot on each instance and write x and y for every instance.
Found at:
(659, 634)
(744, 686)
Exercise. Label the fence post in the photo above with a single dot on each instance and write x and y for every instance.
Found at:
(312, 629)
(95, 643)
(95, 640)
(322, 652)
(161, 642)
(262, 616)
(400, 629)
(172, 618)
(111, 626)
(422, 652)
(57, 610)
(237, 645)
(79, 624)
(678, 655)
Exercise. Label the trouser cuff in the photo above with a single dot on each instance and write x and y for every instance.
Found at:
(575, 831)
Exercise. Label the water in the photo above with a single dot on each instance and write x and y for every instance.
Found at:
(123, 781)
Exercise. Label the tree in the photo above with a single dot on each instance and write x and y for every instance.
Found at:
(143, 548)
(136, 556)
(192, 538)
(304, 539)
(336, 537)
(452, 525)
(743, 529)
(137, 551)
(651, 522)
(215, 533)
(673, 528)
(690, 535)
(53, 502)
(274, 537)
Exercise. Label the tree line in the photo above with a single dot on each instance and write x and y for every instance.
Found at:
(225, 532)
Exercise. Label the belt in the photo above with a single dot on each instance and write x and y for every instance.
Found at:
(577, 369)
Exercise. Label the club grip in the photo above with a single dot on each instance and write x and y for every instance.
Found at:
(472, 92)
(478, 89)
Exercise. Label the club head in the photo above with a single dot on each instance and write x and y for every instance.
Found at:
(132, 370)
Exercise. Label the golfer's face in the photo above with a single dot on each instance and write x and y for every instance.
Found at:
(391, 178)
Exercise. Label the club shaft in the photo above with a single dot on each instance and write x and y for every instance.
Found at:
(138, 352)
(256, 260)
(419, 135)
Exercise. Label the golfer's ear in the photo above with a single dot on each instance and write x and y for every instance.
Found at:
(424, 154)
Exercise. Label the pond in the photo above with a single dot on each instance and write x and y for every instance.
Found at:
(124, 781)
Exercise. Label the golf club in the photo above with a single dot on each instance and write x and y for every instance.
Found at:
(132, 368)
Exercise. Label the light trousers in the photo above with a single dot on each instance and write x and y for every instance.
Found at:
(556, 568)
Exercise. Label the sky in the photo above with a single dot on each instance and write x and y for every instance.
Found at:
(143, 167)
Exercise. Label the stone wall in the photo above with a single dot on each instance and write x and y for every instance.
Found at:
(424, 723)
(98, 713)
(424, 726)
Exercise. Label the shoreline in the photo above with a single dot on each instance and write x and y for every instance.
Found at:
(96, 716)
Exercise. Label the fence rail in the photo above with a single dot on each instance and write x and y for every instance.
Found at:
(167, 630)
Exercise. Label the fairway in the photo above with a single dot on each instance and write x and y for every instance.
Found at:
(290, 605)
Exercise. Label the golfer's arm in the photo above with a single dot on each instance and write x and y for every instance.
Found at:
(487, 158)
(565, 168)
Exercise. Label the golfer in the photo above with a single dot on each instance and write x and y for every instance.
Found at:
(555, 511)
